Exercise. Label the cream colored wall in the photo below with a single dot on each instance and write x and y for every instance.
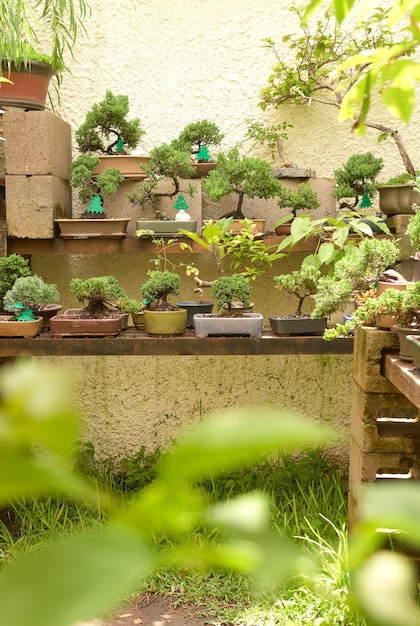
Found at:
(195, 59)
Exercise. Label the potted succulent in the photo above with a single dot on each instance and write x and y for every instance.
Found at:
(30, 71)
(165, 169)
(160, 316)
(303, 198)
(98, 316)
(230, 320)
(246, 177)
(301, 284)
(26, 300)
(197, 137)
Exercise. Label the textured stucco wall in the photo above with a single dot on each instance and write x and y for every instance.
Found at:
(127, 402)
(195, 59)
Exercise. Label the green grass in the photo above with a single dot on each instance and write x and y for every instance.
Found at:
(308, 499)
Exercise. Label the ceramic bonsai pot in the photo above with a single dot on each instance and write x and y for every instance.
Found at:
(48, 312)
(193, 308)
(202, 169)
(396, 199)
(165, 322)
(138, 320)
(30, 86)
(114, 228)
(70, 324)
(414, 343)
(9, 327)
(297, 325)
(386, 322)
(236, 227)
(405, 353)
(130, 165)
(206, 324)
(166, 228)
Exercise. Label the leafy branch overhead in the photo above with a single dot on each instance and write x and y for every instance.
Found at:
(335, 67)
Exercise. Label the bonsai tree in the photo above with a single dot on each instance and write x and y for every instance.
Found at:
(242, 175)
(226, 288)
(197, 137)
(160, 285)
(12, 267)
(97, 292)
(357, 179)
(29, 295)
(167, 162)
(92, 190)
(303, 198)
(355, 274)
(106, 128)
(301, 284)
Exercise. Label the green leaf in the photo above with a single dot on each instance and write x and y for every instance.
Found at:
(326, 252)
(72, 580)
(240, 436)
(400, 100)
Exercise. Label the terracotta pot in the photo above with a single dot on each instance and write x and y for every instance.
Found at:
(202, 169)
(194, 308)
(386, 322)
(30, 86)
(165, 322)
(11, 328)
(405, 346)
(297, 325)
(114, 228)
(128, 164)
(206, 324)
(71, 325)
(48, 312)
(396, 199)
(283, 230)
(166, 228)
(236, 227)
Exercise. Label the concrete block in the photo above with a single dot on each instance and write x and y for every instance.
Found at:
(32, 204)
(369, 344)
(37, 143)
(367, 468)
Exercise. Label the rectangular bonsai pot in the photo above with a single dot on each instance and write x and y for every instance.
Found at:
(71, 325)
(165, 228)
(297, 325)
(206, 324)
(10, 327)
(113, 227)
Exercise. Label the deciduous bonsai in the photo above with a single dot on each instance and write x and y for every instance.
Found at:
(242, 175)
(303, 198)
(301, 284)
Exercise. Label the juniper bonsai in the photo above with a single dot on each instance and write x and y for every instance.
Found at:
(157, 289)
(12, 267)
(356, 179)
(31, 292)
(92, 190)
(166, 162)
(97, 292)
(198, 136)
(242, 175)
(106, 128)
(226, 288)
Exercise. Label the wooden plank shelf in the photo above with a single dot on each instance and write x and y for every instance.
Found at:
(133, 342)
(404, 376)
(126, 245)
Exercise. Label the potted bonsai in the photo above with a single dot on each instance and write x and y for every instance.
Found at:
(160, 316)
(165, 169)
(243, 176)
(229, 321)
(98, 317)
(303, 198)
(12, 267)
(357, 180)
(27, 298)
(110, 135)
(301, 284)
(197, 137)
(30, 71)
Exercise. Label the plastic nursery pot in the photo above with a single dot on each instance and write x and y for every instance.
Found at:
(193, 308)
(165, 322)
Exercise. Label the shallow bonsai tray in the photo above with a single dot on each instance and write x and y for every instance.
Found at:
(10, 327)
(289, 326)
(166, 228)
(71, 325)
(115, 227)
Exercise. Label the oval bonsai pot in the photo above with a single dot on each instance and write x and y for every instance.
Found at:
(194, 307)
(297, 325)
(165, 322)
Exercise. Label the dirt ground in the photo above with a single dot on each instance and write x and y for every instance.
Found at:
(152, 610)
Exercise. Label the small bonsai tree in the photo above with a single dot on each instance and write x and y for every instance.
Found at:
(242, 175)
(301, 284)
(357, 179)
(166, 162)
(303, 198)
(106, 128)
(197, 137)
(160, 285)
(97, 292)
(92, 190)
(226, 288)
(30, 293)
(12, 267)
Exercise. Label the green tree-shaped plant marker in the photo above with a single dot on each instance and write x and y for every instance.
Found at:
(120, 146)
(365, 202)
(203, 154)
(181, 204)
(96, 205)
(26, 315)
